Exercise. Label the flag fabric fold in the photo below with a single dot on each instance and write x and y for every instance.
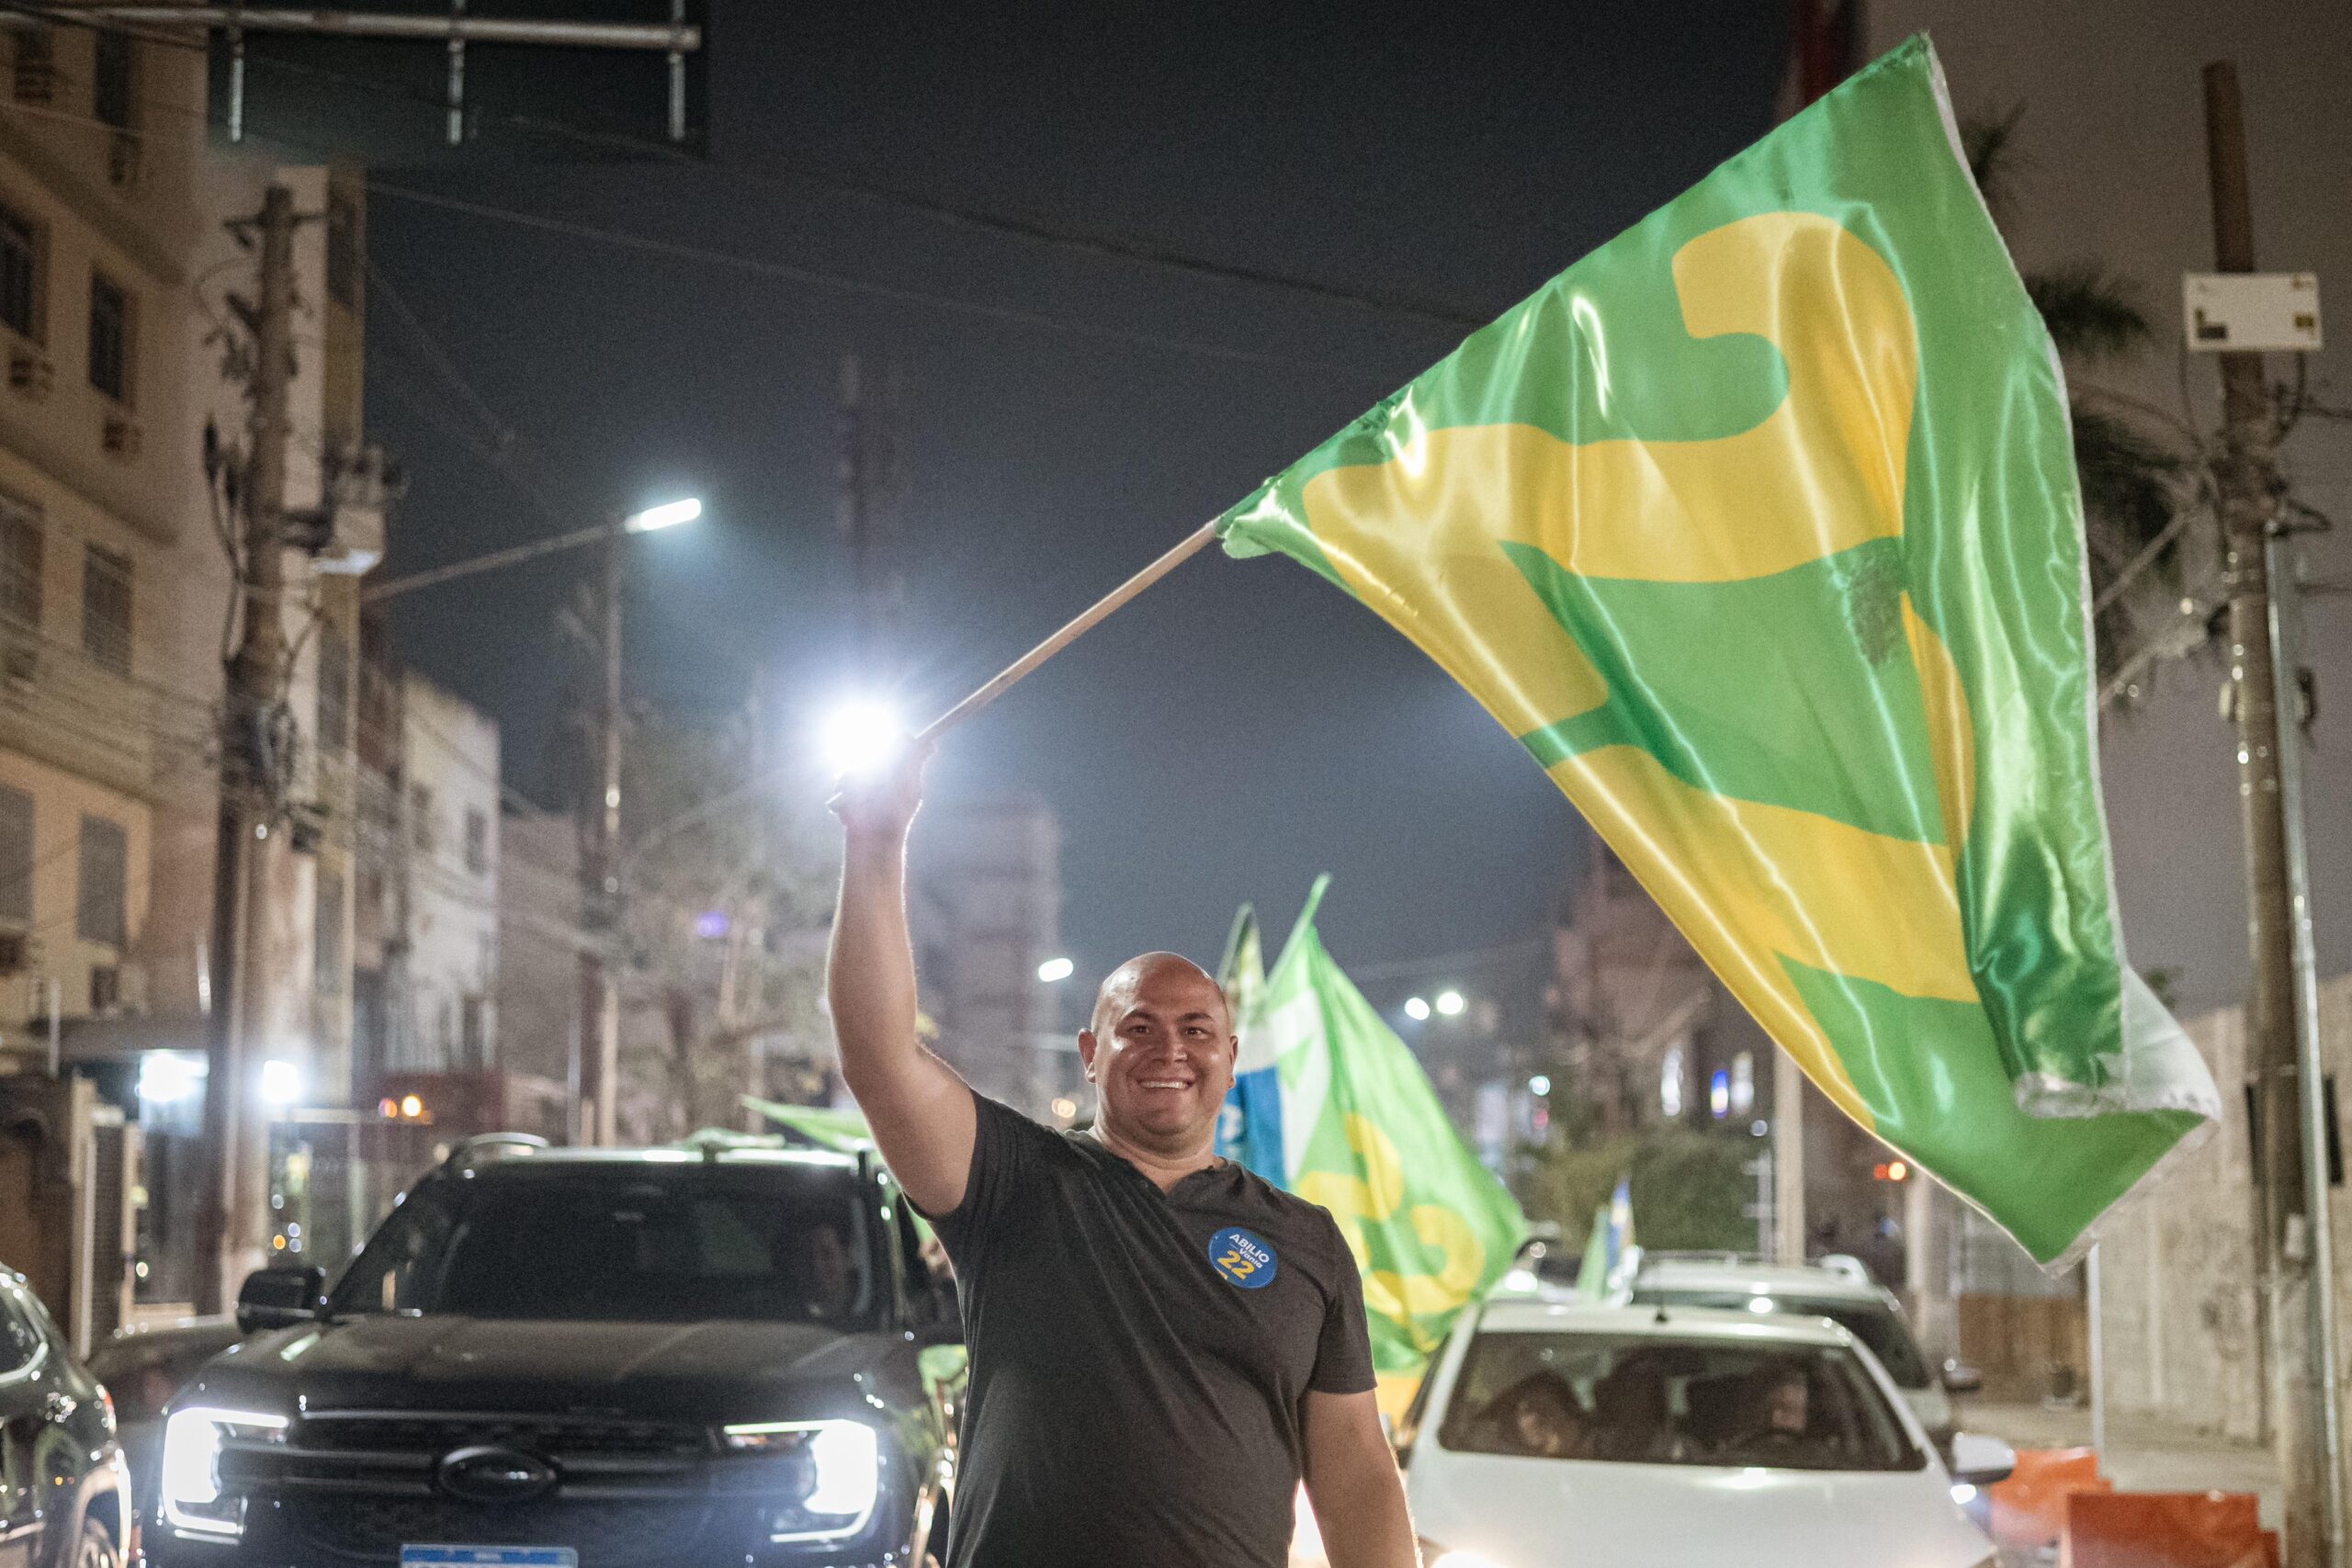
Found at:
(1760, 528)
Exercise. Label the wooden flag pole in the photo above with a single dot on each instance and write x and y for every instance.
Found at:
(1069, 634)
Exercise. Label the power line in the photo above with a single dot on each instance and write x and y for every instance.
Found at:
(677, 250)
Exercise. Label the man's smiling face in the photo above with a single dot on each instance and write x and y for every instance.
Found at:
(1160, 1052)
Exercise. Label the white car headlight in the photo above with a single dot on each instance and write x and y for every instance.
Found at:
(194, 1503)
(832, 1474)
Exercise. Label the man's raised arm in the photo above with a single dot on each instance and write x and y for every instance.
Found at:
(921, 1113)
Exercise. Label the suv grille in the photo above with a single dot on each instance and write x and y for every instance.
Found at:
(357, 1485)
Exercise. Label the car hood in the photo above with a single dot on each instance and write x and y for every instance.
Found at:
(698, 1371)
(1536, 1513)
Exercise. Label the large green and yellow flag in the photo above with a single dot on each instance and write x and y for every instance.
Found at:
(1760, 528)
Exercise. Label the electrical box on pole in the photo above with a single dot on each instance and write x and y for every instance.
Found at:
(2256, 311)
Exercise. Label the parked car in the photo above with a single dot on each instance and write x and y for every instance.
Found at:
(1841, 1291)
(724, 1352)
(64, 1491)
(1552, 1433)
(143, 1366)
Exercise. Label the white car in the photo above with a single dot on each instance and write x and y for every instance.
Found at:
(1846, 1295)
(1548, 1433)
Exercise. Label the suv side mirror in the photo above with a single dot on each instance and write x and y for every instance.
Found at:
(280, 1298)
(1961, 1378)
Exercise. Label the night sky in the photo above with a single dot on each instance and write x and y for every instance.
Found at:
(1245, 725)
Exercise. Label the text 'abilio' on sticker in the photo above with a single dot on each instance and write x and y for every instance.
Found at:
(1243, 1257)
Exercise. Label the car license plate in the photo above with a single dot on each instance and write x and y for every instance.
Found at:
(488, 1557)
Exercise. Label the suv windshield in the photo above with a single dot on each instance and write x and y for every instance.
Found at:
(1644, 1399)
(1872, 1323)
(624, 1244)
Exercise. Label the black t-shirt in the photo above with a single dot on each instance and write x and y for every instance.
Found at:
(1140, 1360)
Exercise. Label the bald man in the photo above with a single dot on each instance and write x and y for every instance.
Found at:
(1163, 1344)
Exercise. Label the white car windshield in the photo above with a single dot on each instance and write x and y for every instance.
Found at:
(1653, 1399)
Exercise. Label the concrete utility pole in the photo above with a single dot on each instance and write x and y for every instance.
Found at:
(231, 1218)
(2251, 491)
(869, 473)
(600, 998)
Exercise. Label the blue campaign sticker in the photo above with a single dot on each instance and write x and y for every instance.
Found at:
(1242, 1258)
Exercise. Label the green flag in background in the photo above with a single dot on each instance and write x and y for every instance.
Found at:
(1248, 1128)
(1363, 1135)
(1605, 1256)
(1760, 528)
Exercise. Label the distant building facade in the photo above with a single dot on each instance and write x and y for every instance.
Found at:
(986, 908)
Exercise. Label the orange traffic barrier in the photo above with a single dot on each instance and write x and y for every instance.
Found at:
(2028, 1509)
(2163, 1529)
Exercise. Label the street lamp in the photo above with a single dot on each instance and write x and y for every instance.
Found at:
(1417, 1009)
(1054, 970)
(1451, 1004)
(669, 514)
(599, 1076)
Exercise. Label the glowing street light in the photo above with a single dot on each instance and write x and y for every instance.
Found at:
(1451, 1003)
(1417, 1009)
(168, 1075)
(1054, 969)
(1538, 1084)
(281, 1082)
(862, 737)
(669, 514)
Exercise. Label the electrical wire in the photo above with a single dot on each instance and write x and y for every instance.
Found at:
(677, 250)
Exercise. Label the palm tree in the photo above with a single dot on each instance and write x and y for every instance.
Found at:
(2138, 471)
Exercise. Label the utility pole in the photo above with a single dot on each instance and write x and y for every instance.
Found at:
(229, 1219)
(600, 1001)
(2250, 492)
(869, 475)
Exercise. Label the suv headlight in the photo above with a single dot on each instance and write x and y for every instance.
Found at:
(193, 1500)
(829, 1474)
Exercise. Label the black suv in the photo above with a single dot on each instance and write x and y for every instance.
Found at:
(64, 1491)
(728, 1352)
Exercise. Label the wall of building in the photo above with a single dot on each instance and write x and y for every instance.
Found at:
(2176, 1270)
(450, 809)
(94, 725)
(539, 944)
(986, 911)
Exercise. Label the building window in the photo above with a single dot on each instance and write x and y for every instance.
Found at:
(16, 856)
(1669, 1084)
(106, 608)
(103, 915)
(477, 841)
(421, 825)
(334, 688)
(327, 946)
(36, 65)
(344, 263)
(20, 272)
(20, 552)
(470, 1040)
(109, 338)
(114, 87)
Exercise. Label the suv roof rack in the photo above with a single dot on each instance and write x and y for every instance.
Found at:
(1699, 1255)
(712, 1141)
(481, 1146)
